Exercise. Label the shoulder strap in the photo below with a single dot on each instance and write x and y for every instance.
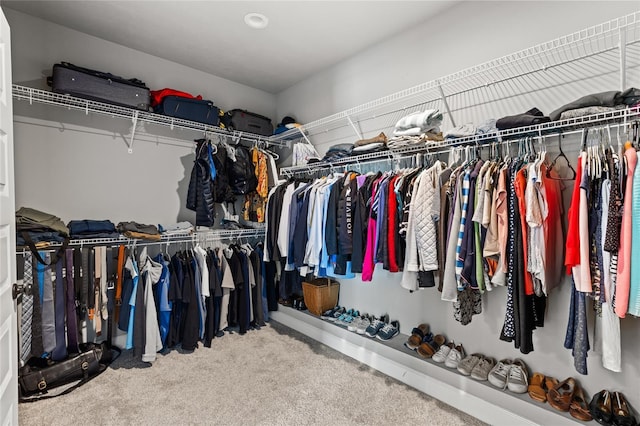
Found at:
(54, 258)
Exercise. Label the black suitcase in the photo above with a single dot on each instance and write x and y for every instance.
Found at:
(190, 109)
(246, 121)
(85, 83)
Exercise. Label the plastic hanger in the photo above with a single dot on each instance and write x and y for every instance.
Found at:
(561, 155)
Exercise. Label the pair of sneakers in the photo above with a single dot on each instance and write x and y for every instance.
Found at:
(377, 324)
(360, 324)
(388, 331)
(510, 375)
(450, 354)
(477, 366)
(333, 313)
(348, 317)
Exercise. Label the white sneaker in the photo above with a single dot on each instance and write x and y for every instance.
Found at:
(441, 355)
(518, 379)
(364, 323)
(498, 374)
(482, 369)
(454, 357)
(466, 365)
(355, 324)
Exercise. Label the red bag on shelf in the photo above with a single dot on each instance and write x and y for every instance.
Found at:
(158, 95)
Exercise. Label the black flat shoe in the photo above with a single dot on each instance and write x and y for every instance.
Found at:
(600, 407)
(622, 413)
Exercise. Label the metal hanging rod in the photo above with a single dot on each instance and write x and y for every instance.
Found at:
(613, 118)
(194, 238)
(32, 95)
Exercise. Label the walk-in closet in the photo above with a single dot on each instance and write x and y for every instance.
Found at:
(295, 212)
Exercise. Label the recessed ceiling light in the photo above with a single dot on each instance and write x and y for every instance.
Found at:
(256, 20)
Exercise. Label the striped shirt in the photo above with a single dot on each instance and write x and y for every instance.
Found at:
(463, 219)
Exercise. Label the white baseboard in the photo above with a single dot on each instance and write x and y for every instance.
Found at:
(478, 399)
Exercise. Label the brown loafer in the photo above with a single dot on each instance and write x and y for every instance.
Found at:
(536, 388)
(578, 407)
(560, 396)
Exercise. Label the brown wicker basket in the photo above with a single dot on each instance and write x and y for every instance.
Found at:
(320, 295)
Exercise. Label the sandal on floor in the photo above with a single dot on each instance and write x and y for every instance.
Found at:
(418, 335)
(427, 349)
(536, 388)
(579, 409)
(561, 395)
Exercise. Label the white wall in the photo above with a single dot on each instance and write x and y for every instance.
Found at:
(465, 35)
(77, 166)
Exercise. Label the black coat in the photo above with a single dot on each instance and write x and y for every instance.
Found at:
(200, 193)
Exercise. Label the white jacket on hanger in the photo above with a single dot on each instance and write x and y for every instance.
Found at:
(425, 226)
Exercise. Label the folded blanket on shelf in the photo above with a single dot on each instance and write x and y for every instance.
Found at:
(176, 228)
(28, 219)
(581, 112)
(419, 122)
(488, 126)
(337, 152)
(461, 131)
(77, 228)
(426, 139)
(529, 118)
(141, 236)
(363, 149)
(138, 228)
(612, 98)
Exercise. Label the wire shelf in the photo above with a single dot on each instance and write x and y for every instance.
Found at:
(94, 107)
(195, 237)
(566, 65)
(621, 116)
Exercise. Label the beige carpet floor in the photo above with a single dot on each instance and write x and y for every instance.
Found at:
(274, 376)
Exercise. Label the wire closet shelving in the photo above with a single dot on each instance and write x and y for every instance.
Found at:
(199, 237)
(32, 95)
(608, 53)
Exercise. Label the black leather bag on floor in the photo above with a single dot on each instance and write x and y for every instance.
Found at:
(40, 375)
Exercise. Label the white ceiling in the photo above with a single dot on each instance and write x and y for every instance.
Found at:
(303, 37)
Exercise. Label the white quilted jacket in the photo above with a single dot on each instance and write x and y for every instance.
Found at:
(426, 238)
(411, 261)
